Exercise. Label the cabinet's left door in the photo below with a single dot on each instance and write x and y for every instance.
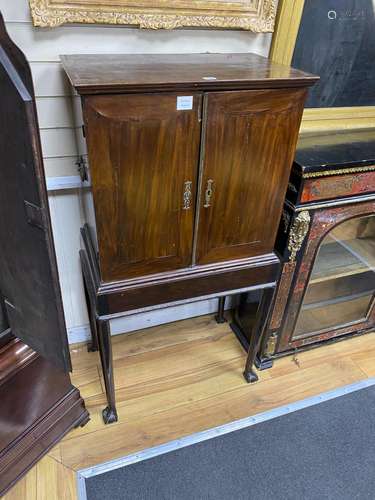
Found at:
(143, 154)
(29, 286)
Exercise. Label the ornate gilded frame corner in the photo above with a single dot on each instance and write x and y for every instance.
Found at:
(256, 15)
(298, 233)
(288, 20)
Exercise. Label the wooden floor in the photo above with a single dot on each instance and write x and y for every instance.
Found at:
(178, 379)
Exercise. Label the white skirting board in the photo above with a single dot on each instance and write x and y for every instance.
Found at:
(148, 319)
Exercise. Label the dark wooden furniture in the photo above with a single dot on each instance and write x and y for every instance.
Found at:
(189, 159)
(327, 239)
(38, 404)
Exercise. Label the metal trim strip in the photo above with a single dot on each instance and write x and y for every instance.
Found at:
(84, 474)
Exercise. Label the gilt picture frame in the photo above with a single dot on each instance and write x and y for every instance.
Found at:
(287, 25)
(254, 15)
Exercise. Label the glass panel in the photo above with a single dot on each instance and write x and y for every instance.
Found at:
(342, 282)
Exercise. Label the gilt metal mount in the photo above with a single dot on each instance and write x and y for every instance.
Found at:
(298, 233)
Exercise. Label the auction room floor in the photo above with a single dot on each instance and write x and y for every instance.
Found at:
(178, 379)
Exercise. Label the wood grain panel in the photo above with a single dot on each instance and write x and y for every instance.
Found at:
(200, 283)
(142, 153)
(98, 74)
(365, 361)
(48, 480)
(204, 378)
(25, 489)
(249, 148)
(61, 483)
(239, 402)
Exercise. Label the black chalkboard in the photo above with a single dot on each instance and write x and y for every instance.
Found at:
(336, 40)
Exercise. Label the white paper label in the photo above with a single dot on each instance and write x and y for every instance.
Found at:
(184, 102)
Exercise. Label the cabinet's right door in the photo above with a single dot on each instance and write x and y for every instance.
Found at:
(248, 149)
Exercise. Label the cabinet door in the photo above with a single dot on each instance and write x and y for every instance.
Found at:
(143, 154)
(334, 283)
(249, 144)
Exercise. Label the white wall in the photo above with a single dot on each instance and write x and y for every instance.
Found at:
(42, 48)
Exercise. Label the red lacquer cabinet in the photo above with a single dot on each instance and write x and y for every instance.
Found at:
(327, 239)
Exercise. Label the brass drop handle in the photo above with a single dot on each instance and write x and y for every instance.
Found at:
(208, 193)
(187, 195)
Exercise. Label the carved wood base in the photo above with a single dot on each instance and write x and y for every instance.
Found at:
(38, 407)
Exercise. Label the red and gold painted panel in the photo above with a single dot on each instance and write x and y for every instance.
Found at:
(337, 186)
(282, 295)
(323, 221)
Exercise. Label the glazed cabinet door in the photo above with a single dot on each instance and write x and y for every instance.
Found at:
(248, 147)
(143, 152)
(334, 288)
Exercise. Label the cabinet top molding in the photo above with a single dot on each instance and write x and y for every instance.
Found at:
(254, 15)
(102, 73)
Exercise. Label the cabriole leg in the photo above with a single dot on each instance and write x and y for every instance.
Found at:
(105, 348)
(257, 334)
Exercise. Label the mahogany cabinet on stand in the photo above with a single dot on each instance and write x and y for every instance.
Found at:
(188, 158)
(38, 404)
(327, 239)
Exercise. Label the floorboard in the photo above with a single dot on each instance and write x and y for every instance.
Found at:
(178, 379)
